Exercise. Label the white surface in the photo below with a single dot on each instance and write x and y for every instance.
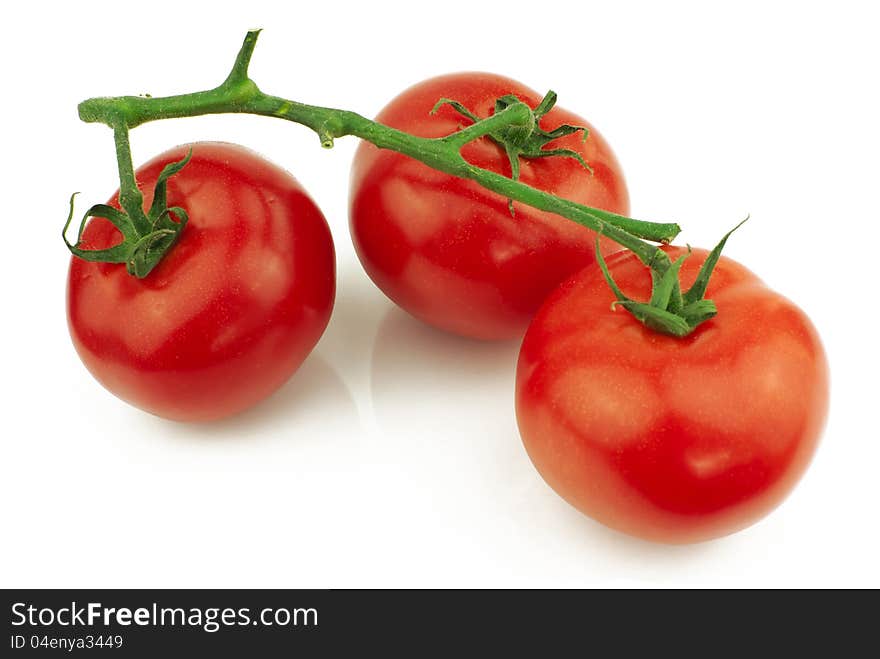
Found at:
(392, 458)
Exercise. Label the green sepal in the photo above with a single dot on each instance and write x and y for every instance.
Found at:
(667, 312)
(530, 140)
(657, 319)
(603, 266)
(149, 250)
(526, 140)
(117, 253)
(164, 220)
(661, 294)
(139, 252)
(455, 105)
(699, 312)
(566, 153)
(546, 104)
(698, 289)
(654, 317)
(160, 193)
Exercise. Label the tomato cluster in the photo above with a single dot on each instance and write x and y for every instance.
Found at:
(669, 439)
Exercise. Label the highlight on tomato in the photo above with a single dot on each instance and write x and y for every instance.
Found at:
(230, 311)
(447, 250)
(671, 439)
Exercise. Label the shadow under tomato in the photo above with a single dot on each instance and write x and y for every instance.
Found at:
(634, 557)
(314, 392)
(423, 376)
(347, 342)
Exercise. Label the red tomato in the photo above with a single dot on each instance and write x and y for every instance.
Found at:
(672, 440)
(447, 250)
(232, 310)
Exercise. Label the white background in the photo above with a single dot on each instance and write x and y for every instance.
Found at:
(392, 457)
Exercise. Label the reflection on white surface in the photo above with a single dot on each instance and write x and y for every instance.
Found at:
(454, 468)
(443, 406)
(315, 387)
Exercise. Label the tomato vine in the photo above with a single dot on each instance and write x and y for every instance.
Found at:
(148, 236)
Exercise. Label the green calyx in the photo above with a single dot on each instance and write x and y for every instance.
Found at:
(526, 139)
(670, 311)
(146, 237)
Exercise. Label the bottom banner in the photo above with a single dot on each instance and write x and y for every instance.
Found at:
(256, 623)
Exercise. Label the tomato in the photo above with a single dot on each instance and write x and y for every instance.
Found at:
(447, 250)
(231, 311)
(672, 440)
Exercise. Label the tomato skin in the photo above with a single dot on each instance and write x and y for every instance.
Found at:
(447, 250)
(671, 440)
(231, 311)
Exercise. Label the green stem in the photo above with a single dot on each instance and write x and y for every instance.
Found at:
(130, 197)
(239, 94)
